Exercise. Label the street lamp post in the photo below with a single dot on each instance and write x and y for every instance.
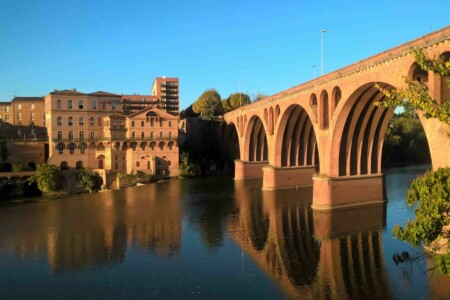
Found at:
(323, 32)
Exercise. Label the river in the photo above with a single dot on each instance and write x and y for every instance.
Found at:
(210, 238)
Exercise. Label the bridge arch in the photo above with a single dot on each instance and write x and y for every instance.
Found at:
(295, 139)
(324, 118)
(231, 141)
(255, 140)
(359, 132)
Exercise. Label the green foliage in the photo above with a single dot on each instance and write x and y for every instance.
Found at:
(443, 264)
(405, 141)
(431, 193)
(187, 113)
(186, 166)
(208, 104)
(416, 95)
(226, 106)
(17, 167)
(237, 100)
(89, 180)
(47, 177)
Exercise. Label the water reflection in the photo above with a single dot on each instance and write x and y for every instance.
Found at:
(312, 254)
(177, 235)
(89, 230)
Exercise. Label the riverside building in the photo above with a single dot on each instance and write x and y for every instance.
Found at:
(91, 130)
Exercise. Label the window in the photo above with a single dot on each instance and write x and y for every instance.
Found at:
(133, 134)
(59, 121)
(80, 104)
(132, 124)
(170, 123)
(19, 116)
(103, 105)
(60, 148)
(116, 157)
(92, 136)
(7, 109)
(138, 164)
(31, 106)
(116, 166)
(71, 135)
(72, 148)
(70, 121)
(94, 104)
(160, 123)
(58, 104)
(83, 148)
(32, 116)
(148, 165)
(142, 123)
(81, 121)
(152, 135)
(59, 135)
(7, 118)
(113, 105)
(81, 134)
(133, 146)
(69, 104)
(142, 135)
(170, 135)
(19, 106)
(99, 121)
(143, 146)
(92, 121)
(161, 135)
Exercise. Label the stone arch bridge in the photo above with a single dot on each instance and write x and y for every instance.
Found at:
(327, 132)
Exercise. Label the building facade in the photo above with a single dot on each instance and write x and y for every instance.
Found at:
(164, 96)
(23, 119)
(90, 130)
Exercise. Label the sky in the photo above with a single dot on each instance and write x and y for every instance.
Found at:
(230, 45)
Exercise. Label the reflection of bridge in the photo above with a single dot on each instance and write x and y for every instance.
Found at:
(280, 233)
(331, 124)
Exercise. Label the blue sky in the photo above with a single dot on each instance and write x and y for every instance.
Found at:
(252, 46)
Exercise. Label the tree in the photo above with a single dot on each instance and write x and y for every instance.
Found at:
(431, 192)
(208, 104)
(186, 166)
(187, 113)
(237, 100)
(47, 177)
(89, 180)
(226, 105)
(416, 95)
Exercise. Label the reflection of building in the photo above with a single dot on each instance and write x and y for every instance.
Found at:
(89, 130)
(164, 96)
(99, 228)
(279, 235)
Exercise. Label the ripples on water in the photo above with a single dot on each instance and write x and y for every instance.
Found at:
(209, 238)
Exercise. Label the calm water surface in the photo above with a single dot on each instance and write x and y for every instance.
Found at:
(210, 238)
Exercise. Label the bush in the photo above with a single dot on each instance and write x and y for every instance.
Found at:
(186, 166)
(89, 180)
(431, 192)
(17, 167)
(47, 177)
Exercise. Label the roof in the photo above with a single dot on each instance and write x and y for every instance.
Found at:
(5, 103)
(67, 92)
(102, 93)
(160, 113)
(28, 99)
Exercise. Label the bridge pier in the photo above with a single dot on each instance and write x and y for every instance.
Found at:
(332, 224)
(248, 170)
(347, 191)
(286, 177)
